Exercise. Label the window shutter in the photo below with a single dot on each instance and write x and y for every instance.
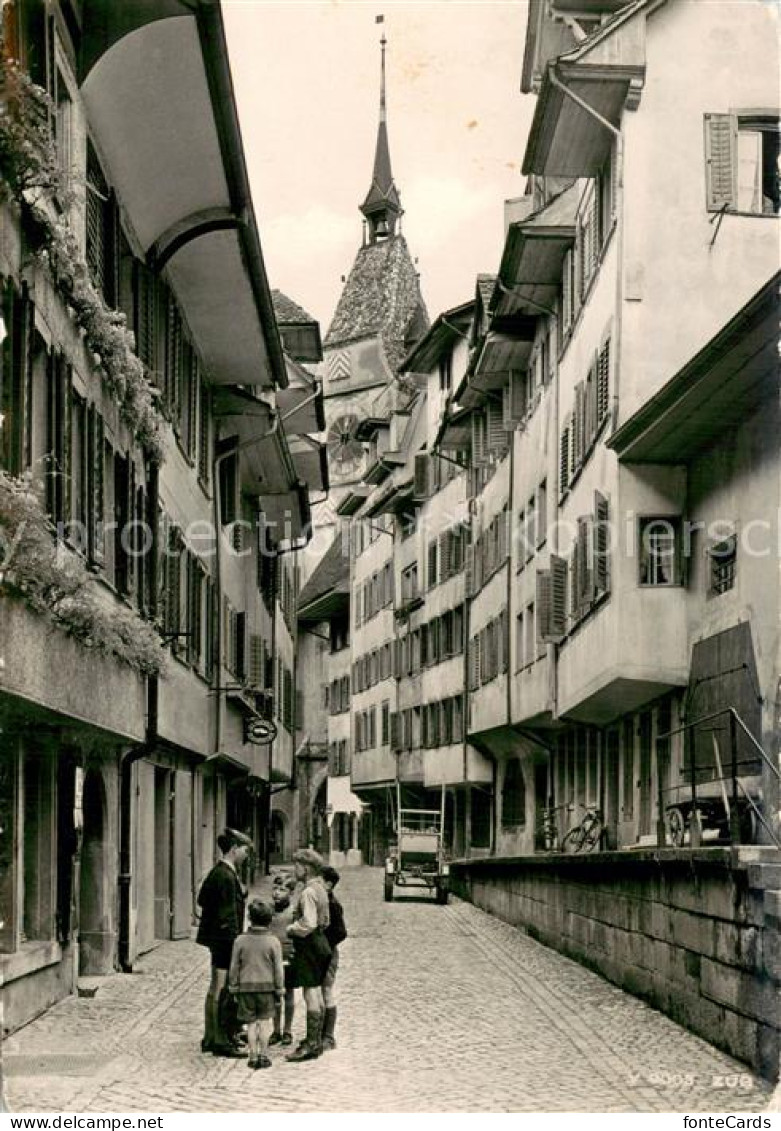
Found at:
(544, 604)
(603, 382)
(720, 161)
(585, 572)
(95, 469)
(504, 648)
(564, 454)
(255, 660)
(497, 437)
(421, 475)
(566, 291)
(469, 572)
(432, 564)
(601, 543)
(558, 614)
(578, 427)
(444, 556)
(394, 731)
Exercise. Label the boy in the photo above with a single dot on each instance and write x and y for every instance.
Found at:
(335, 932)
(283, 917)
(256, 978)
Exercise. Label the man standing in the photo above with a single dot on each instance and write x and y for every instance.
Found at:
(221, 899)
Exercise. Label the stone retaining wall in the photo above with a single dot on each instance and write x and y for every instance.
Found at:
(695, 933)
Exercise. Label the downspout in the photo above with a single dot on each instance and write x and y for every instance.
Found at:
(138, 752)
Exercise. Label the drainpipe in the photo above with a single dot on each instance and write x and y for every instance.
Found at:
(138, 752)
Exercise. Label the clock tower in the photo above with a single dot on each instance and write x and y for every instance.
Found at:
(379, 317)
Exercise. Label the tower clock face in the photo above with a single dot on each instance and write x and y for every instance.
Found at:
(345, 453)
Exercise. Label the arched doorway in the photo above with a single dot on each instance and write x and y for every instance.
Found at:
(96, 939)
(277, 847)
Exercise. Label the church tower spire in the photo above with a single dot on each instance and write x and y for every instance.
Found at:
(382, 206)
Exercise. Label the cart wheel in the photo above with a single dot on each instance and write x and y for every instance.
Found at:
(573, 840)
(442, 894)
(388, 889)
(676, 826)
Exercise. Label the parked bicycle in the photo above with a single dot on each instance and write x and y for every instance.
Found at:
(587, 835)
(548, 831)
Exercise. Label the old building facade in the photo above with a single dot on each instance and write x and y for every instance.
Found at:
(152, 480)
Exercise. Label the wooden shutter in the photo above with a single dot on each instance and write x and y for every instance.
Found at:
(95, 485)
(564, 454)
(503, 643)
(543, 604)
(421, 475)
(496, 435)
(601, 544)
(469, 571)
(603, 382)
(721, 144)
(578, 427)
(255, 660)
(145, 288)
(558, 616)
(585, 574)
(432, 564)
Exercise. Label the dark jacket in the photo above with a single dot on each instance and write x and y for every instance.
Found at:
(221, 900)
(336, 931)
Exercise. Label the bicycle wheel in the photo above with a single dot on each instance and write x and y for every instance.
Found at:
(572, 841)
(592, 836)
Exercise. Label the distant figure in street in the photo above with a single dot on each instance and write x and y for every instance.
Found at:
(221, 899)
(311, 952)
(335, 932)
(256, 980)
(281, 897)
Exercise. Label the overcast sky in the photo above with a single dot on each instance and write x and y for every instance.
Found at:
(306, 76)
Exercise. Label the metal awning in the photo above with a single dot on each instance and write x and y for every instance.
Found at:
(455, 431)
(301, 408)
(500, 354)
(286, 516)
(713, 393)
(565, 140)
(353, 500)
(264, 466)
(366, 429)
(533, 256)
(382, 467)
(394, 500)
(155, 80)
(310, 461)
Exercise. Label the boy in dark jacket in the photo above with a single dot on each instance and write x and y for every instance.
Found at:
(335, 932)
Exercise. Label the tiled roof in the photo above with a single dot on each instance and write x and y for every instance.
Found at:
(288, 312)
(381, 296)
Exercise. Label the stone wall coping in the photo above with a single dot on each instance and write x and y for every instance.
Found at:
(722, 858)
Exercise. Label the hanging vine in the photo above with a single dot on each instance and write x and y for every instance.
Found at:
(30, 174)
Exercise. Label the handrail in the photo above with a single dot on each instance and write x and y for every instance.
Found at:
(760, 818)
(732, 815)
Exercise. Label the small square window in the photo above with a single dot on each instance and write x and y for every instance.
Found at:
(660, 551)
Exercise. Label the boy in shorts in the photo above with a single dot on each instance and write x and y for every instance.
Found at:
(257, 980)
(335, 932)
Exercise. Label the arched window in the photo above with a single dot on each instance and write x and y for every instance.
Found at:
(513, 795)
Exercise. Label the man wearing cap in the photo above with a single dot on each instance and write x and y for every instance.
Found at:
(221, 900)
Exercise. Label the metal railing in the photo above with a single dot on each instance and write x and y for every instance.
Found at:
(732, 804)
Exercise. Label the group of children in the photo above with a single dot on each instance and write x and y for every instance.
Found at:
(277, 954)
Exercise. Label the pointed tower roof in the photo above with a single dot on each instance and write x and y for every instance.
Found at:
(382, 206)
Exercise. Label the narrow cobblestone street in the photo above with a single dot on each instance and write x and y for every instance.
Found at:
(440, 1009)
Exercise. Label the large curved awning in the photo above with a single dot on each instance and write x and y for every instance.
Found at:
(157, 88)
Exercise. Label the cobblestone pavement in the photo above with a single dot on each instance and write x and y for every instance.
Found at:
(440, 1009)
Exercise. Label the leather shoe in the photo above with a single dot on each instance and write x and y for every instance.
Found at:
(228, 1051)
(304, 1052)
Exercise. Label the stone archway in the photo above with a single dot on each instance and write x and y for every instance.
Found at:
(96, 938)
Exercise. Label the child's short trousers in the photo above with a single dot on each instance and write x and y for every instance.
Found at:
(255, 1006)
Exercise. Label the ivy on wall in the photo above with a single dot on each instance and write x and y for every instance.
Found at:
(55, 583)
(31, 176)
